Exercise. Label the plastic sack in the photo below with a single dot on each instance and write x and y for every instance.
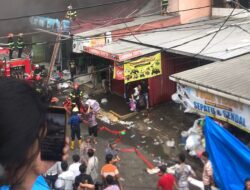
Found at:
(192, 142)
(93, 104)
(132, 105)
(176, 98)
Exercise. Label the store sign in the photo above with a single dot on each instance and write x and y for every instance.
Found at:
(100, 53)
(129, 55)
(79, 43)
(118, 72)
(145, 67)
(233, 112)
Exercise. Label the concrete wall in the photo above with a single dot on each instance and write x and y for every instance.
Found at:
(173, 6)
(195, 14)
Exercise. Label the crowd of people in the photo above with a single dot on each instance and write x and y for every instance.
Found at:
(84, 172)
(24, 168)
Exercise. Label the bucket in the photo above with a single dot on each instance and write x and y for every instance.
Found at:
(184, 136)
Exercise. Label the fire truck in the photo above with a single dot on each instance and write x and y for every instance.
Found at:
(21, 68)
(18, 68)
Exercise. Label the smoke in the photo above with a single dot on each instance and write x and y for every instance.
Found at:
(14, 8)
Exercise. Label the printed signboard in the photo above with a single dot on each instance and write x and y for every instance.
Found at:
(145, 67)
(118, 72)
(233, 112)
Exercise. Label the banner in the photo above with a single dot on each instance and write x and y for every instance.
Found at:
(118, 72)
(142, 68)
(224, 109)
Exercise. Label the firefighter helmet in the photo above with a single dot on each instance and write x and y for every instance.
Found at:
(70, 7)
(75, 109)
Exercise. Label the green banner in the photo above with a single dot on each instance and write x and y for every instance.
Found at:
(145, 67)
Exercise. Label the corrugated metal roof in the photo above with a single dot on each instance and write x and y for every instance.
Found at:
(190, 39)
(121, 47)
(231, 77)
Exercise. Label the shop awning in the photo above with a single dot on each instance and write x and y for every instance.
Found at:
(120, 51)
(229, 79)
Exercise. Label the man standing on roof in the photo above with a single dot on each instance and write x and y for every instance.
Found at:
(20, 44)
(11, 45)
(164, 7)
(71, 14)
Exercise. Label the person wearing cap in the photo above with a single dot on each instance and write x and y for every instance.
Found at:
(75, 96)
(166, 181)
(20, 44)
(74, 122)
(11, 45)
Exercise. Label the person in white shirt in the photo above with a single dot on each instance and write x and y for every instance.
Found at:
(65, 179)
(74, 168)
(92, 166)
(52, 174)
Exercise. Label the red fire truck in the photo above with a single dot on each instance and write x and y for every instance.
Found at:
(19, 68)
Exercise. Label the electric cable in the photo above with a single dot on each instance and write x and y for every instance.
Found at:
(215, 34)
(64, 10)
(154, 31)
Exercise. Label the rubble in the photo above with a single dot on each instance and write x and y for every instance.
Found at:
(149, 128)
(104, 101)
(125, 122)
(132, 136)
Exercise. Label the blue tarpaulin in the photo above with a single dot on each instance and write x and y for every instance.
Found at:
(229, 156)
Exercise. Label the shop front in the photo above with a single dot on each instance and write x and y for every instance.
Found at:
(137, 71)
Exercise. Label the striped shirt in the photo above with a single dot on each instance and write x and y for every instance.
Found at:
(207, 173)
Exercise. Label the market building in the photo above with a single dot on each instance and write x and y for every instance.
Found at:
(181, 50)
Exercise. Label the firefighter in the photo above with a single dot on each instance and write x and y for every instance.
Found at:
(75, 96)
(71, 14)
(164, 6)
(20, 44)
(11, 45)
(74, 122)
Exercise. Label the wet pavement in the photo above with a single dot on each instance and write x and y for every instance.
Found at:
(149, 133)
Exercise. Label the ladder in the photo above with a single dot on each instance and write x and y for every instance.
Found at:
(54, 56)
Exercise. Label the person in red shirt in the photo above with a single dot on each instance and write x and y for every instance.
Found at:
(166, 181)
